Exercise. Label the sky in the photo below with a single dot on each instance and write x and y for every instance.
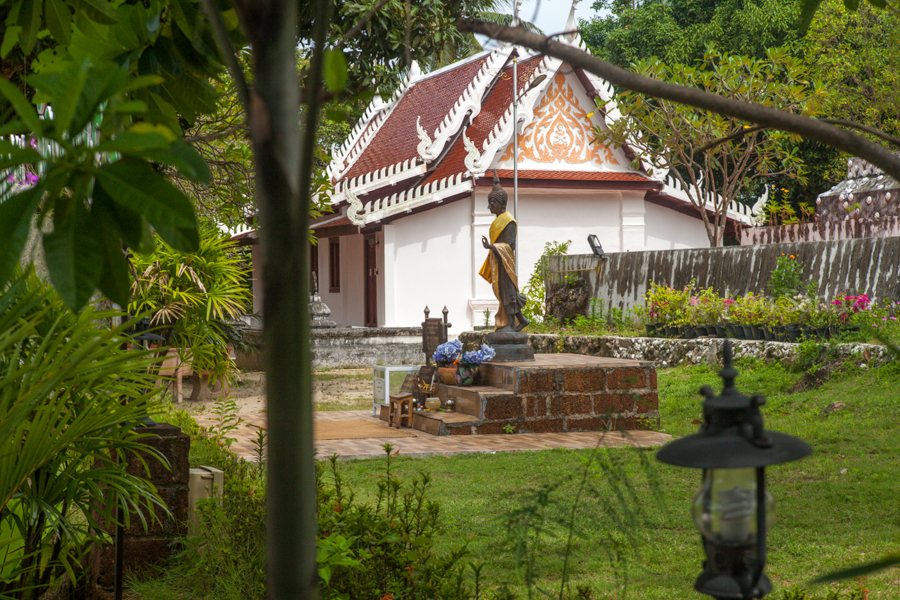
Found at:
(549, 16)
(552, 14)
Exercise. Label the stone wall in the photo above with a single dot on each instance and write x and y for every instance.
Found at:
(868, 265)
(668, 353)
(822, 231)
(148, 549)
(354, 348)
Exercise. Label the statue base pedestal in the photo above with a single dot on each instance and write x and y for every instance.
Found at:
(510, 346)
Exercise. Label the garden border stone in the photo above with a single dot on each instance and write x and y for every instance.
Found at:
(698, 351)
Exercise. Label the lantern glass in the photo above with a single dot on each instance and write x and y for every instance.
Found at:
(724, 510)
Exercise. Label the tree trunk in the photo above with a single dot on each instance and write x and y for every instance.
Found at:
(283, 203)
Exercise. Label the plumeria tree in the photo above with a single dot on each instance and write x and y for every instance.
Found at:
(680, 139)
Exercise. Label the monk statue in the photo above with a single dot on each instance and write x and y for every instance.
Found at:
(499, 268)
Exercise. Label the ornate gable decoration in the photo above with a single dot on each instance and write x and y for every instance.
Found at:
(560, 131)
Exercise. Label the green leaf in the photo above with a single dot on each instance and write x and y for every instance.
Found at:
(852, 4)
(134, 185)
(30, 21)
(134, 143)
(21, 105)
(99, 11)
(16, 213)
(59, 20)
(335, 71)
(10, 39)
(12, 155)
(158, 110)
(133, 228)
(64, 90)
(861, 570)
(115, 282)
(184, 158)
(74, 257)
(878, 3)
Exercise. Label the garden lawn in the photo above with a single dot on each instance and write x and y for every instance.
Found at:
(633, 534)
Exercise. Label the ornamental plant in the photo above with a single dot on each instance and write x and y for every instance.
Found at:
(667, 305)
(448, 353)
(71, 393)
(787, 277)
(476, 357)
(193, 299)
(848, 306)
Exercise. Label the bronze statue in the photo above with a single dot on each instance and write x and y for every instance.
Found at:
(499, 268)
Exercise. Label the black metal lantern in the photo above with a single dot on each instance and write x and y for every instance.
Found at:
(733, 509)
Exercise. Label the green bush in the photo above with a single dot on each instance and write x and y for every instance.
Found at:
(70, 395)
(365, 551)
(535, 290)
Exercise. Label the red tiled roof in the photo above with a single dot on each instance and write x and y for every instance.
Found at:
(497, 102)
(567, 175)
(331, 223)
(431, 99)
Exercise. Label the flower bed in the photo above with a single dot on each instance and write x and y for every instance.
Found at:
(690, 313)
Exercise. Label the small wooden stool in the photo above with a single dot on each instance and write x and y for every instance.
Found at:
(395, 409)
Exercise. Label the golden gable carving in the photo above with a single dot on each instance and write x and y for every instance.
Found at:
(560, 130)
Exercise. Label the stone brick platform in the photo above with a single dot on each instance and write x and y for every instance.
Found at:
(555, 393)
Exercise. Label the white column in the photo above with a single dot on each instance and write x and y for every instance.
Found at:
(633, 230)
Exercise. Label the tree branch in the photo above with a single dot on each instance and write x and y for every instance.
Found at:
(815, 129)
(215, 135)
(838, 122)
(226, 50)
(357, 27)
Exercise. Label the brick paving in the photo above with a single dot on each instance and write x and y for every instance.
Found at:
(424, 444)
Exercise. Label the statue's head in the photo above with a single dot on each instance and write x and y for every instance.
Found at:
(497, 195)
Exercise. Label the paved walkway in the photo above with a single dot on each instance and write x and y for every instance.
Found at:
(424, 444)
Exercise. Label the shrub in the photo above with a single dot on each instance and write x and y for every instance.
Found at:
(70, 394)
(535, 289)
(365, 551)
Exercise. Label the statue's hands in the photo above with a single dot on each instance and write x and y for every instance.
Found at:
(485, 243)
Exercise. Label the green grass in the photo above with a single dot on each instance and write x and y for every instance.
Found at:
(633, 534)
(825, 518)
(360, 403)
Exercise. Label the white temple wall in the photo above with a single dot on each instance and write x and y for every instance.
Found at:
(670, 230)
(347, 306)
(426, 258)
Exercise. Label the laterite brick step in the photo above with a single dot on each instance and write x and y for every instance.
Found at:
(554, 393)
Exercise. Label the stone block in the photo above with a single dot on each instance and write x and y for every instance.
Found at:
(549, 425)
(461, 430)
(605, 404)
(584, 381)
(652, 371)
(160, 524)
(638, 423)
(424, 422)
(575, 404)
(536, 406)
(174, 447)
(496, 428)
(626, 379)
(536, 381)
(647, 402)
(503, 408)
(585, 424)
